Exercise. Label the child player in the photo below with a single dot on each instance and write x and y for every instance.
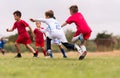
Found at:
(2, 43)
(54, 31)
(39, 38)
(83, 30)
(23, 36)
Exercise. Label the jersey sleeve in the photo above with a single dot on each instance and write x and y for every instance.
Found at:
(41, 20)
(69, 20)
(14, 26)
(43, 30)
(25, 24)
(35, 31)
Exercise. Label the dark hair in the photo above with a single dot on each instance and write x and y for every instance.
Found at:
(18, 13)
(50, 13)
(74, 8)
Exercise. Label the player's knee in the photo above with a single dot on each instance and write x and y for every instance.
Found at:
(27, 46)
(16, 44)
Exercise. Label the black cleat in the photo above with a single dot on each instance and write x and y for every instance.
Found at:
(64, 56)
(35, 55)
(83, 56)
(3, 52)
(18, 55)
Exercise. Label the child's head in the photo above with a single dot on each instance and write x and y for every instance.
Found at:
(49, 14)
(38, 24)
(17, 15)
(73, 9)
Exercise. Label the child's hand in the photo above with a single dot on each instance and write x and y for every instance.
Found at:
(32, 20)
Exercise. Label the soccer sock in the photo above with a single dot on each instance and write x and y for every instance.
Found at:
(44, 52)
(36, 51)
(63, 52)
(83, 48)
(75, 38)
(80, 37)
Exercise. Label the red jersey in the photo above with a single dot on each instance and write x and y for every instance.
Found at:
(23, 36)
(80, 22)
(39, 37)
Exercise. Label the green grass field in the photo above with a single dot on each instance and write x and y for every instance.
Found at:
(29, 67)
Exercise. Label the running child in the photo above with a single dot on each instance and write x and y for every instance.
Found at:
(2, 43)
(39, 38)
(83, 30)
(23, 36)
(54, 31)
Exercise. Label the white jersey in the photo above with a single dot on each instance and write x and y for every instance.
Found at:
(54, 29)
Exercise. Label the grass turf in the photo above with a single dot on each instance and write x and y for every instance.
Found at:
(29, 67)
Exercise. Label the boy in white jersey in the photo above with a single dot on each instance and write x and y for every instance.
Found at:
(54, 31)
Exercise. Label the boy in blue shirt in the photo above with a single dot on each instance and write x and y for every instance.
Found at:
(2, 43)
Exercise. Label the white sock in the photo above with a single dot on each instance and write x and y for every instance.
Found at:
(83, 48)
(75, 38)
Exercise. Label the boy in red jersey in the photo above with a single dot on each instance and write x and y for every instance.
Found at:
(39, 38)
(83, 30)
(23, 36)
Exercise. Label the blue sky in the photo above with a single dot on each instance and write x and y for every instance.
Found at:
(101, 15)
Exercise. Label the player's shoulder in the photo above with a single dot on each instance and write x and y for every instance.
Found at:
(23, 21)
(41, 28)
(35, 29)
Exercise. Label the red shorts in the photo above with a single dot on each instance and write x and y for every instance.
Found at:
(24, 39)
(39, 44)
(86, 36)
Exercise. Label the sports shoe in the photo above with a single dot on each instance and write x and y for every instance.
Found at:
(78, 48)
(18, 55)
(3, 52)
(64, 56)
(49, 52)
(35, 55)
(83, 55)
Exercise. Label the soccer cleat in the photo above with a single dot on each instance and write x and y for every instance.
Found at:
(83, 55)
(35, 55)
(3, 52)
(64, 56)
(78, 48)
(18, 55)
(49, 52)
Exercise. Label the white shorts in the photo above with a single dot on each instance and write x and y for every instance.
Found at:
(57, 37)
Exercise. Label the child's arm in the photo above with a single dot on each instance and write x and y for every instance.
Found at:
(45, 35)
(38, 20)
(64, 24)
(9, 30)
(31, 31)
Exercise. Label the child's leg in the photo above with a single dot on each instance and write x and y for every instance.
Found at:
(44, 51)
(17, 45)
(62, 50)
(3, 51)
(80, 37)
(31, 49)
(83, 45)
(48, 46)
(37, 50)
(84, 50)
(72, 47)
(68, 45)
